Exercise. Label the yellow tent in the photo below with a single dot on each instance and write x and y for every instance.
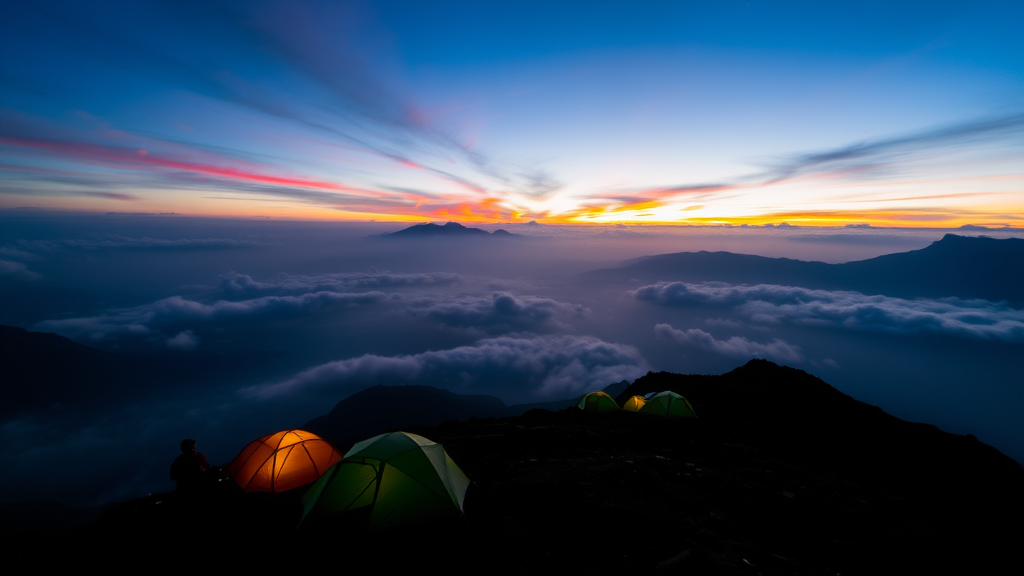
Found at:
(282, 461)
(634, 404)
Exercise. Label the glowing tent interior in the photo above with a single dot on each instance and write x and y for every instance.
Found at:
(389, 480)
(634, 404)
(668, 404)
(282, 461)
(598, 402)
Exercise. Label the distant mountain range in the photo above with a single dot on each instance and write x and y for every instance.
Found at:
(960, 266)
(449, 230)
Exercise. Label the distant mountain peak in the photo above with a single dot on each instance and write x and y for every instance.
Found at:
(447, 230)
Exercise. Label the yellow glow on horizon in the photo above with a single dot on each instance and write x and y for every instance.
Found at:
(905, 204)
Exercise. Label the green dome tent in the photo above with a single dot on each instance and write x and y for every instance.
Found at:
(598, 402)
(668, 404)
(391, 479)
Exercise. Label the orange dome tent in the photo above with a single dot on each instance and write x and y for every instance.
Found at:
(282, 461)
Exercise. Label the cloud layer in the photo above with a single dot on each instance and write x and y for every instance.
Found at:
(736, 347)
(514, 369)
(235, 286)
(501, 312)
(176, 322)
(117, 242)
(175, 315)
(772, 304)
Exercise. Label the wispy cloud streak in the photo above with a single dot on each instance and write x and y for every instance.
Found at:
(849, 162)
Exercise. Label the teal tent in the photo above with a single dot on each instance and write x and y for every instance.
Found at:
(668, 404)
(389, 480)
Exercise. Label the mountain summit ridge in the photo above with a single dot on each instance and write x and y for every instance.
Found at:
(448, 230)
(954, 266)
(780, 473)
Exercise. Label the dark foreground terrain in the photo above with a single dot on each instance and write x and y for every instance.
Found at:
(780, 474)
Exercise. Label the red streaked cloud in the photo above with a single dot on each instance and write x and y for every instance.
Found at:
(136, 159)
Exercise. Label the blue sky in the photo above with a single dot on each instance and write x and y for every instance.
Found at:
(561, 112)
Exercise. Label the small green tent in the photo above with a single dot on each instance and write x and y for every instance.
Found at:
(598, 402)
(391, 479)
(634, 404)
(668, 404)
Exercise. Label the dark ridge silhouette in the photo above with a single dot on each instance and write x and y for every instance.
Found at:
(39, 369)
(449, 230)
(960, 266)
(381, 409)
(793, 413)
(41, 515)
(779, 474)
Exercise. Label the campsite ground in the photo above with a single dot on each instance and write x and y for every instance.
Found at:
(781, 474)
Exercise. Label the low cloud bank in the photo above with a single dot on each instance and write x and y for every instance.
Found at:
(736, 347)
(772, 304)
(176, 315)
(117, 242)
(175, 322)
(514, 369)
(501, 312)
(235, 286)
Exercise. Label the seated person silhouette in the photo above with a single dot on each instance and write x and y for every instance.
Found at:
(189, 470)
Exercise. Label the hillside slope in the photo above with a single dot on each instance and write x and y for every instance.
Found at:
(779, 474)
(959, 266)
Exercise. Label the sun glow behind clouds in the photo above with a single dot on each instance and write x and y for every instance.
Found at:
(106, 176)
(316, 114)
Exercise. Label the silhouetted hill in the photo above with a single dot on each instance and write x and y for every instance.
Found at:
(42, 515)
(39, 369)
(779, 474)
(381, 409)
(960, 266)
(792, 413)
(449, 230)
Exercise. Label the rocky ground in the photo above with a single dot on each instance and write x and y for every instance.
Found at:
(780, 474)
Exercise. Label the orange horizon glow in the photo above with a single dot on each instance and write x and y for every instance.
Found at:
(468, 214)
(810, 201)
